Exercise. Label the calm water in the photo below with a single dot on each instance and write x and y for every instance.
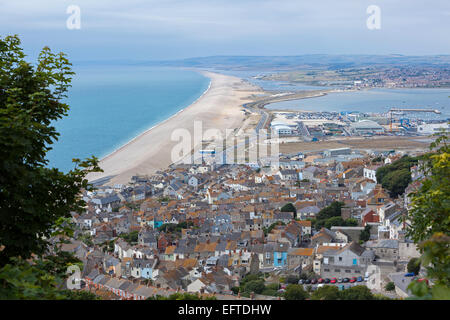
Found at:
(375, 100)
(112, 105)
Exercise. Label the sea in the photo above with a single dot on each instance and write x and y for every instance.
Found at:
(110, 105)
(376, 100)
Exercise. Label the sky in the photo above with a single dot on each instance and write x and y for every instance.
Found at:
(175, 29)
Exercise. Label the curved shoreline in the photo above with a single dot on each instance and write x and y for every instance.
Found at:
(156, 125)
(219, 107)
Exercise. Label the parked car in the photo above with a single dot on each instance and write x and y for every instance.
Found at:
(345, 280)
(313, 281)
(301, 281)
(320, 285)
(340, 280)
(320, 280)
(353, 279)
(307, 281)
(409, 274)
(333, 280)
(327, 280)
(359, 279)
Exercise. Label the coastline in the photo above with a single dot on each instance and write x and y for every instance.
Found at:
(154, 126)
(218, 107)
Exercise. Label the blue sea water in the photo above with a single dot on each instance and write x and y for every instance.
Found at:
(375, 100)
(110, 105)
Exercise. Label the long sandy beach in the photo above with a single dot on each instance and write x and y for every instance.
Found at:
(219, 107)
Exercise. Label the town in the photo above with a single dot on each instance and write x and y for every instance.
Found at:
(213, 229)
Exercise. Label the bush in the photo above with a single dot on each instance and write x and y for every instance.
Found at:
(356, 293)
(395, 177)
(292, 279)
(270, 292)
(413, 266)
(390, 286)
(256, 286)
(295, 292)
(326, 293)
(273, 286)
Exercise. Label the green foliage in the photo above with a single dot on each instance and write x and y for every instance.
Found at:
(181, 296)
(289, 207)
(292, 279)
(80, 295)
(365, 234)
(356, 293)
(256, 286)
(430, 222)
(131, 237)
(40, 280)
(86, 239)
(390, 286)
(175, 228)
(331, 216)
(326, 293)
(414, 265)
(430, 204)
(333, 210)
(332, 293)
(273, 286)
(396, 176)
(32, 196)
(272, 226)
(270, 292)
(295, 292)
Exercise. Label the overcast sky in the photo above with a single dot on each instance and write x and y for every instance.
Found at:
(169, 29)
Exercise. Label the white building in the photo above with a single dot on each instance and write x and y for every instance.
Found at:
(370, 172)
(431, 128)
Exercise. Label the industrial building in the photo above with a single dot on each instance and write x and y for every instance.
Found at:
(431, 128)
(366, 127)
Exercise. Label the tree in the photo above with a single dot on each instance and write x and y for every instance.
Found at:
(390, 286)
(295, 292)
(413, 265)
(32, 196)
(430, 221)
(356, 293)
(131, 237)
(365, 234)
(430, 204)
(334, 221)
(289, 207)
(396, 176)
(326, 293)
(292, 279)
(272, 226)
(256, 286)
(333, 210)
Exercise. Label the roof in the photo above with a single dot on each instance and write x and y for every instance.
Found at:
(302, 252)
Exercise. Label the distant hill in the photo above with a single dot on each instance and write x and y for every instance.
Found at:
(315, 61)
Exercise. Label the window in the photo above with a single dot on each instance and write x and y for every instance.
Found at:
(348, 271)
(340, 258)
(337, 270)
(326, 270)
